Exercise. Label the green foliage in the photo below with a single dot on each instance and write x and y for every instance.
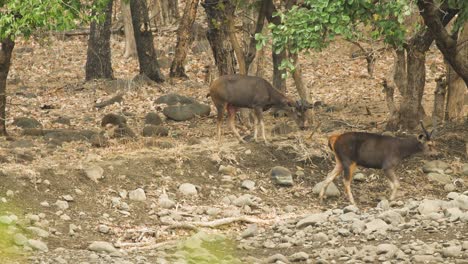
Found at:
(19, 17)
(318, 22)
(462, 16)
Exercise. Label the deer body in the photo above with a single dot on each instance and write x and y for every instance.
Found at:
(239, 91)
(372, 151)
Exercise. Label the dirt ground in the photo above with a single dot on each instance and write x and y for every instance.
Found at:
(46, 82)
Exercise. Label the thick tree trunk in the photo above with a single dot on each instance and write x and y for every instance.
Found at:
(217, 35)
(98, 62)
(433, 15)
(6, 49)
(164, 12)
(130, 44)
(230, 10)
(456, 86)
(251, 50)
(144, 40)
(278, 81)
(184, 38)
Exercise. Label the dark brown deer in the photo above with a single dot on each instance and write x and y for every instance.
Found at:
(373, 151)
(240, 91)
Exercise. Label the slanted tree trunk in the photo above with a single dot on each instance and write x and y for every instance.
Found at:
(6, 49)
(98, 62)
(456, 86)
(230, 10)
(217, 35)
(164, 12)
(130, 44)
(434, 15)
(144, 40)
(183, 39)
(251, 49)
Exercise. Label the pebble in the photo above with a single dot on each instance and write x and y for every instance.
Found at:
(281, 176)
(299, 256)
(248, 184)
(37, 245)
(188, 189)
(331, 191)
(68, 198)
(137, 195)
(103, 229)
(250, 231)
(62, 205)
(227, 170)
(452, 251)
(102, 246)
(94, 172)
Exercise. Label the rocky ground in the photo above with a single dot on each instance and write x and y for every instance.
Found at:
(128, 171)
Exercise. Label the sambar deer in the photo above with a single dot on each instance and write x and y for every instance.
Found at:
(376, 151)
(240, 91)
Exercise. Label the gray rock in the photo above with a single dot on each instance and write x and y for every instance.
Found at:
(248, 184)
(243, 200)
(331, 191)
(38, 231)
(351, 208)
(102, 246)
(452, 251)
(94, 172)
(313, 219)
(250, 231)
(439, 178)
(137, 195)
(426, 259)
(348, 217)
(173, 99)
(359, 177)
(391, 217)
(464, 169)
(26, 122)
(213, 211)
(20, 239)
(429, 206)
(449, 187)
(281, 176)
(186, 112)
(68, 198)
(188, 189)
(277, 258)
(376, 225)
(384, 205)
(103, 229)
(358, 226)
(165, 202)
(113, 119)
(37, 245)
(155, 131)
(320, 237)
(153, 118)
(435, 166)
(343, 232)
(389, 250)
(227, 170)
(62, 205)
(299, 256)
(6, 220)
(453, 214)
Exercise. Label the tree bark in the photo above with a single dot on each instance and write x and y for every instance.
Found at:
(445, 42)
(144, 40)
(183, 39)
(130, 44)
(6, 49)
(456, 86)
(165, 12)
(252, 49)
(217, 35)
(278, 81)
(98, 62)
(230, 10)
(439, 100)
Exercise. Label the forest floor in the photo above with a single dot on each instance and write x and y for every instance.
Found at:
(46, 83)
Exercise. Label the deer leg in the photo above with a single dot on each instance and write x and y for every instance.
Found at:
(393, 181)
(232, 119)
(219, 120)
(347, 178)
(330, 177)
(258, 113)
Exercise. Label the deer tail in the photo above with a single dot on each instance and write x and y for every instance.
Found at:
(331, 141)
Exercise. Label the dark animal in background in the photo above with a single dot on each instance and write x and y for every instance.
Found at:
(239, 91)
(373, 151)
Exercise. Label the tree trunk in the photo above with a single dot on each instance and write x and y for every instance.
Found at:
(439, 100)
(98, 62)
(456, 85)
(230, 10)
(297, 76)
(217, 35)
(6, 49)
(144, 40)
(174, 10)
(278, 81)
(183, 39)
(130, 45)
(252, 49)
(164, 12)
(434, 15)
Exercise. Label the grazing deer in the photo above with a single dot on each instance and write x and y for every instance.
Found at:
(240, 91)
(373, 151)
